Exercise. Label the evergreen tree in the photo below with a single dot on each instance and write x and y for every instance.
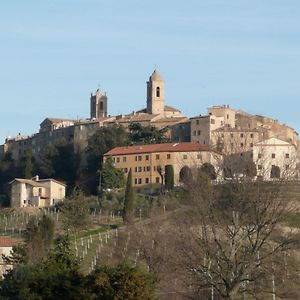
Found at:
(169, 177)
(28, 165)
(128, 213)
(111, 176)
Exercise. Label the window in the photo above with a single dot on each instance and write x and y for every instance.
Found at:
(227, 116)
(287, 155)
(197, 122)
(184, 156)
(195, 132)
(140, 169)
(158, 91)
(157, 179)
(140, 181)
(252, 135)
(138, 158)
(251, 144)
(124, 159)
(136, 169)
(242, 135)
(168, 156)
(126, 170)
(242, 145)
(273, 155)
(231, 135)
(146, 180)
(147, 157)
(199, 132)
(101, 105)
(136, 181)
(148, 169)
(199, 156)
(40, 191)
(118, 159)
(157, 156)
(212, 121)
(259, 155)
(259, 167)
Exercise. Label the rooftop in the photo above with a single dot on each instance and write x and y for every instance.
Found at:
(153, 148)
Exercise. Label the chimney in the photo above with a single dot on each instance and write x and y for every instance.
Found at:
(36, 178)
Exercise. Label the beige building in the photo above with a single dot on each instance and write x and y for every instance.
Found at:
(148, 162)
(98, 105)
(275, 158)
(36, 192)
(234, 131)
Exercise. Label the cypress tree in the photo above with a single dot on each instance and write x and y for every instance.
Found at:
(28, 165)
(128, 213)
(169, 177)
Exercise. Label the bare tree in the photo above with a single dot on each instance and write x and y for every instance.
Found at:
(231, 237)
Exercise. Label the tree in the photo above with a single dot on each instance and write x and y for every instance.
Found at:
(139, 134)
(231, 236)
(28, 167)
(104, 139)
(38, 238)
(275, 172)
(75, 212)
(121, 282)
(169, 177)
(128, 212)
(55, 277)
(209, 170)
(112, 177)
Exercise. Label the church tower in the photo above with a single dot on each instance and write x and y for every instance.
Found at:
(155, 94)
(98, 105)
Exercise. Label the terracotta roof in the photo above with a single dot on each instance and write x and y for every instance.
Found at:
(57, 120)
(168, 147)
(7, 242)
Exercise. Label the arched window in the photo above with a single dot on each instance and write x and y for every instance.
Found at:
(101, 105)
(158, 91)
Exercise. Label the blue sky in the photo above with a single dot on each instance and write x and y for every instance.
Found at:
(53, 54)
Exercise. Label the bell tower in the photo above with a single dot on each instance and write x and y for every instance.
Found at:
(98, 105)
(155, 94)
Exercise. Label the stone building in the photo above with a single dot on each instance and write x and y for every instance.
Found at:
(98, 105)
(148, 161)
(77, 132)
(275, 159)
(36, 192)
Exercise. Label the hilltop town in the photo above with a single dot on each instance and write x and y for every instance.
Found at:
(151, 204)
(235, 134)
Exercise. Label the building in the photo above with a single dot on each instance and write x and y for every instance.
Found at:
(98, 105)
(6, 246)
(234, 131)
(36, 192)
(148, 161)
(275, 159)
(77, 132)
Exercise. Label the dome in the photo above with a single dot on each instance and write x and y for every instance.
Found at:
(155, 76)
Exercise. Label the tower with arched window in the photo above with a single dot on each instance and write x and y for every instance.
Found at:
(98, 105)
(155, 94)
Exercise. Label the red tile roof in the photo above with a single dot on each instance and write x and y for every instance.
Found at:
(7, 242)
(168, 147)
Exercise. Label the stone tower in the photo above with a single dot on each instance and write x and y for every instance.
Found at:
(155, 94)
(98, 105)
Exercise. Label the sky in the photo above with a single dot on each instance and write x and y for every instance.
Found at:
(54, 53)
